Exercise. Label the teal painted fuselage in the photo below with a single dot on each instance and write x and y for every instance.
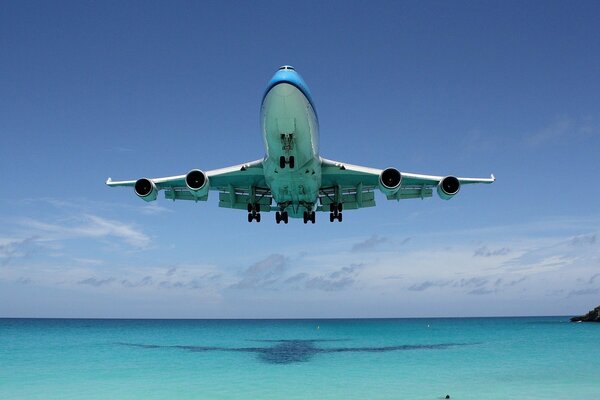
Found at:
(290, 129)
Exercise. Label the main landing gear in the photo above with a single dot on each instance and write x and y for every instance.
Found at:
(253, 212)
(289, 161)
(335, 212)
(309, 216)
(281, 217)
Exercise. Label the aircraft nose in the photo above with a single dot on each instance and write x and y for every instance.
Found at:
(283, 89)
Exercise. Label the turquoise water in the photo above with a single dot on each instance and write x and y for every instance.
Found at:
(471, 358)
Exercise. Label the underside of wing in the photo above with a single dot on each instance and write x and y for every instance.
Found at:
(354, 185)
(238, 186)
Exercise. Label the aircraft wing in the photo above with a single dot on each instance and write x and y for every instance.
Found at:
(354, 185)
(237, 185)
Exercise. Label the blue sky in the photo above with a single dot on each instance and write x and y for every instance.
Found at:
(96, 89)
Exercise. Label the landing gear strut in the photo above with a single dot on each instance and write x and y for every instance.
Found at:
(335, 212)
(281, 217)
(253, 212)
(309, 216)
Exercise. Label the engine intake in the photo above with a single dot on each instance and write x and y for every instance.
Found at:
(448, 187)
(389, 181)
(197, 182)
(146, 189)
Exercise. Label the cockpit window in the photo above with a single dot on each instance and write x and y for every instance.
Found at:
(287, 67)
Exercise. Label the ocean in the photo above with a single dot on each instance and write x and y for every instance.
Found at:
(428, 358)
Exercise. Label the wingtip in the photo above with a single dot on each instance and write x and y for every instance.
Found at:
(108, 181)
(493, 177)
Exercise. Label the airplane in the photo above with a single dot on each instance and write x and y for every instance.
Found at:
(292, 179)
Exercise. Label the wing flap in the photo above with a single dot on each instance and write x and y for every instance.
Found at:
(411, 193)
(240, 201)
(182, 194)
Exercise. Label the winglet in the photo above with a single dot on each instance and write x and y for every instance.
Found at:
(108, 181)
(491, 176)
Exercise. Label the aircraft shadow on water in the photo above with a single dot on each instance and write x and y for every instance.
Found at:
(292, 351)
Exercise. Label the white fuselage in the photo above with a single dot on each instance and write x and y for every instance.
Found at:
(290, 128)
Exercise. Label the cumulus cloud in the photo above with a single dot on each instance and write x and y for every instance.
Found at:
(369, 243)
(92, 281)
(593, 278)
(145, 281)
(336, 280)
(264, 273)
(583, 240)
(419, 287)
(472, 285)
(11, 248)
(483, 251)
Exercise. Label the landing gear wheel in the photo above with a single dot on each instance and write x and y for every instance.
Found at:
(332, 207)
(340, 207)
(284, 217)
(312, 217)
(249, 207)
(331, 217)
(277, 217)
(257, 217)
(305, 217)
(250, 217)
(282, 162)
(291, 162)
(339, 217)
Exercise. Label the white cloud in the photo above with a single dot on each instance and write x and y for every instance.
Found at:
(89, 226)
(565, 128)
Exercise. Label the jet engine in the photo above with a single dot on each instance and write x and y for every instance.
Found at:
(146, 189)
(389, 181)
(197, 182)
(448, 187)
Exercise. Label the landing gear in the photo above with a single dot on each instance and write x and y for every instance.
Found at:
(253, 212)
(281, 217)
(309, 216)
(333, 217)
(283, 161)
(335, 212)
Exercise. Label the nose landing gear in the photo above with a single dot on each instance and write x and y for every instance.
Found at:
(289, 161)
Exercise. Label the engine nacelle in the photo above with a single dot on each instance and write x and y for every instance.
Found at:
(197, 182)
(146, 189)
(448, 187)
(389, 181)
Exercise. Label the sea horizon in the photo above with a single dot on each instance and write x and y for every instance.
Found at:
(291, 318)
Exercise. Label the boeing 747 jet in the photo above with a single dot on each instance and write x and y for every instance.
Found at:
(292, 179)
